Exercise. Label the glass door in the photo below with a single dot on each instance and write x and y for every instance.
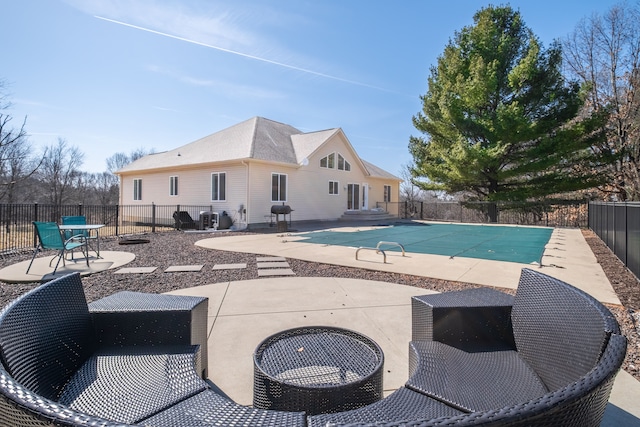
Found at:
(353, 197)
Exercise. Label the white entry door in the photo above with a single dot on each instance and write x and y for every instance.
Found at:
(353, 197)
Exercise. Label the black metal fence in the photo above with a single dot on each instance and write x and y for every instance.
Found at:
(17, 234)
(618, 225)
(550, 214)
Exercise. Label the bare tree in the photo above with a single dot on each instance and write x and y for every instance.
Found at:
(604, 53)
(409, 191)
(117, 161)
(60, 168)
(16, 162)
(120, 160)
(103, 189)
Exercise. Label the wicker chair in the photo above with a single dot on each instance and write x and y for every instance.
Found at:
(557, 368)
(54, 371)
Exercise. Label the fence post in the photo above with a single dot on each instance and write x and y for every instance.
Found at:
(627, 258)
(117, 218)
(79, 209)
(546, 216)
(35, 218)
(421, 210)
(153, 217)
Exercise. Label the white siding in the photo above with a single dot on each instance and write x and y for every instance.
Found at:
(307, 187)
(194, 189)
(376, 194)
(260, 189)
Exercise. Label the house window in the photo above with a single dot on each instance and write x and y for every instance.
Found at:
(343, 165)
(328, 161)
(219, 186)
(333, 187)
(278, 187)
(387, 193)
(173, 185)
(137, 189)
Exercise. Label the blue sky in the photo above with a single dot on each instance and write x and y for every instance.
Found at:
(116, 75)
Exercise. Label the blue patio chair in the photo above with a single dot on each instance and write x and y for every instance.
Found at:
(76, 235)
(75, 220)
(50, 238)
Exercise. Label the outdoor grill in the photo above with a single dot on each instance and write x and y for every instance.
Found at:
(283, 210)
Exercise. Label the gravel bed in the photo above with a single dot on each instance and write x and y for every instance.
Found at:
(177, 248)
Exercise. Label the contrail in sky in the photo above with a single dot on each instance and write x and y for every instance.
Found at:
(257, 58)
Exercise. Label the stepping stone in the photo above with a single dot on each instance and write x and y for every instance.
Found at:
(230, 266)
(278, 264)
(136, 270)
(270, 259)
(276, 272)
(175, 268)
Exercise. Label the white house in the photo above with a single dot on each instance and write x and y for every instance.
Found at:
(246, 168)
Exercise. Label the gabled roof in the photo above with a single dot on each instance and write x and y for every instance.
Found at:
(257, 138)
(254, 139)
(376, 172)
(306, 143)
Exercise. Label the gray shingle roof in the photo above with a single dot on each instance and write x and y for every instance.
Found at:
(377, 172)
(257, 138)
(306, 143)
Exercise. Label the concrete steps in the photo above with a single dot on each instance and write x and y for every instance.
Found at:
(371, 215)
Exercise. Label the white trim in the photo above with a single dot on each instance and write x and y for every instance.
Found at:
(332, 183)
(386, 196)
(346, 166)
(365, 197)
(357, 195)
(224, 199)
(174, 188)
(286, 187)
(137, 193)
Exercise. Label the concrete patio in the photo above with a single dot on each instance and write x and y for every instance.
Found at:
(243, 313)
(42, 270)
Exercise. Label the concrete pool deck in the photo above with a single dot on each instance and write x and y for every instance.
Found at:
(567, 257)
(243, 313)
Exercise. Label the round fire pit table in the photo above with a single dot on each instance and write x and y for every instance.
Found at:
(317, 369)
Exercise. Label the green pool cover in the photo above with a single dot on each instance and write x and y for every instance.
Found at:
(500, 243)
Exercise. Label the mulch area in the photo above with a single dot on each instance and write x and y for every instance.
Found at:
(177, 248)
(627, 288)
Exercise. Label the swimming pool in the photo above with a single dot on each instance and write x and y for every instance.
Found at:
(492, 242)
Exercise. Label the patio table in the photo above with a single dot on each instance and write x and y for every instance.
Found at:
(317, 370)
(88, 228)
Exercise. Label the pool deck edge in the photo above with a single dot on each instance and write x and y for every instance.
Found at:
(567, 257)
